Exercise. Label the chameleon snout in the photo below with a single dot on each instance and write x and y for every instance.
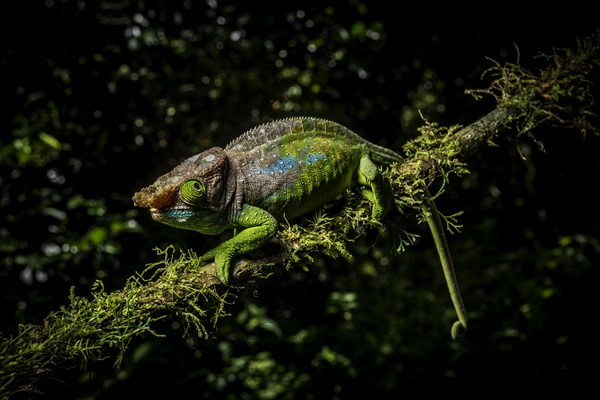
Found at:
(157, 214)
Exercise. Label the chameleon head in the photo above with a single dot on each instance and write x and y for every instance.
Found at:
(189, 196)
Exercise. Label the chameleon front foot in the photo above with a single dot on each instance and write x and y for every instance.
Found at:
(222, 265)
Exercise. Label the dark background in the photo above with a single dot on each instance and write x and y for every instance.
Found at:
(99, 98)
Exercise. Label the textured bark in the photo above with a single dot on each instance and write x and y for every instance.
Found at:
(485, 129)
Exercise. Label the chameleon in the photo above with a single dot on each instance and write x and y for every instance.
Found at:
(279, 170)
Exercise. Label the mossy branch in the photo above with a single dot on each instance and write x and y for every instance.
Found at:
(560, 94)
(178, 287)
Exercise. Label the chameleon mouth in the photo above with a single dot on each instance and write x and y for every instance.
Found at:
(156, 214)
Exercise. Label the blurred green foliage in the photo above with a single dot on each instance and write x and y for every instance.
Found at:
(102, 97)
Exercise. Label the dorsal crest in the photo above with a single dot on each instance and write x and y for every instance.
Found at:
(264, 133)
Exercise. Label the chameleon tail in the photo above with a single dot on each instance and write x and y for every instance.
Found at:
(435, 225)
(386, 156)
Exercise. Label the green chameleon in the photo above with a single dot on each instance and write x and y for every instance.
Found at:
(282, 169)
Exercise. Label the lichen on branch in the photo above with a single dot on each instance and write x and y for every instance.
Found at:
(89, 330)
(559, 94)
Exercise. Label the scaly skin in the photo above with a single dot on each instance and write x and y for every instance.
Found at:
(281, 169)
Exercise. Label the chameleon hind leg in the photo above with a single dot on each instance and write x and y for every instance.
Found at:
(378, 189)
(379, 193)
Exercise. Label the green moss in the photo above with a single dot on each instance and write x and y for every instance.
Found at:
(89, 330)
(559, 94)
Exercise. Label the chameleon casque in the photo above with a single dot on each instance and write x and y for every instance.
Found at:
(282, 169)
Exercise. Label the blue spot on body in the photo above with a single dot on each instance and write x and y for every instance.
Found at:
(287, 163)
(313, 158)
(280, 166)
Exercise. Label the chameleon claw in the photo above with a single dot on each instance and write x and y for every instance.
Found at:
(209, 255)
(222, 268)
(223, 276)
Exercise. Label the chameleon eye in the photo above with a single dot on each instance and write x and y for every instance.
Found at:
(192, 191)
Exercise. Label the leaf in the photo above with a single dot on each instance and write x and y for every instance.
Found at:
(50, 140)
